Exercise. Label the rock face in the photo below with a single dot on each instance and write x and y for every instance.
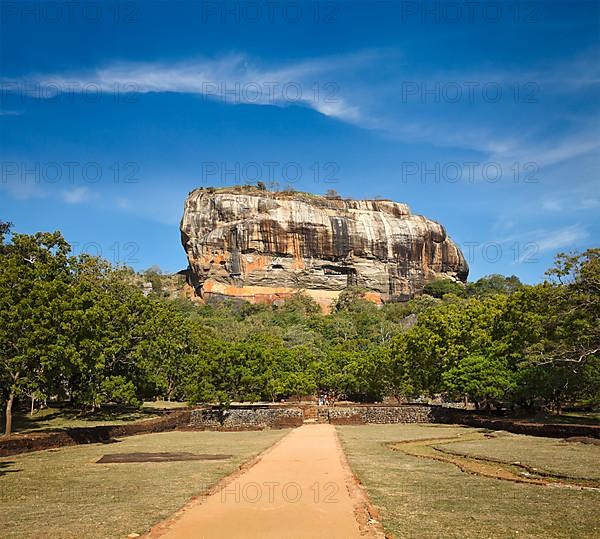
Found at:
(262, 247)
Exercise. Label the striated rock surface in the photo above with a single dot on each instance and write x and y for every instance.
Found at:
(262, 247)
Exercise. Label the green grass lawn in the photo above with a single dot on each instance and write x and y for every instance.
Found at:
(423, 498)
(63, 493)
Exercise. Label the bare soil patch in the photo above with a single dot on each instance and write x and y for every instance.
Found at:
(583, 440)
(157, 457)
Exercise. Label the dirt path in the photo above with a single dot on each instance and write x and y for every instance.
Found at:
(300, 488)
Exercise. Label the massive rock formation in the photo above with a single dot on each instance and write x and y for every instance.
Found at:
(261, 246)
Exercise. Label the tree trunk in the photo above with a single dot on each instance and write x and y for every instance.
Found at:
(32, 404)
(557, 403)
(9, 406)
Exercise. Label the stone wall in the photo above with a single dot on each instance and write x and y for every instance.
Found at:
(359, 415)
(550, 430)
(284, 416)
(251, 418)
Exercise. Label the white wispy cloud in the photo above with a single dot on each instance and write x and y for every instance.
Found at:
(552, 205)
(233, 79)
(578, 72)
(123, 203)
(363, 89)
(567, 237)
(589, 203)
(541, 240)
(77, 195)
(545, 152)
(22, 190)
(571, 202)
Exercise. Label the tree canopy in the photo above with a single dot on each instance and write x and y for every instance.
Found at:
(81, 330)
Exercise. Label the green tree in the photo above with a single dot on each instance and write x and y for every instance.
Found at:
(575, 335)
(560, 353)
(494, 284)
(154, 275)
(442, 337)
(352, 299)
(34, 272)
(397, 379)
(440, 287)
(482, 379)
(5, 228)
(166, 346)
(106, 321)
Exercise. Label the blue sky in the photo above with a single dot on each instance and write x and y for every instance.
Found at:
(483, 116)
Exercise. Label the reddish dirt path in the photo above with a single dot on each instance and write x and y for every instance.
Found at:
(300, 488)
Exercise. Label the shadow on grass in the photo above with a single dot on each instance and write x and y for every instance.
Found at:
(565, 419)
(59, 419)
(7, 464)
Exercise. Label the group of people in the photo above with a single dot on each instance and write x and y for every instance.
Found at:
(326, 400)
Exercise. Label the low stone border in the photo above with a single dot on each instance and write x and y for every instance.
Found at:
(359, 415)
(285, 416)
(247, 418)
(549, 430)
(421, 413)
(24, 443)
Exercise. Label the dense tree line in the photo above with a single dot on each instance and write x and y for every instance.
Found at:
(79, 330)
